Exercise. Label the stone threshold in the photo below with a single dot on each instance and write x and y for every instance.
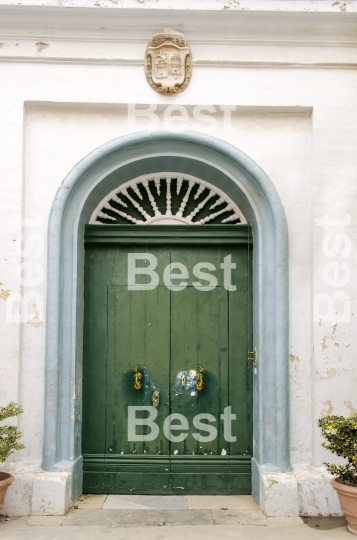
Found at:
(167, 502)
(127, 511)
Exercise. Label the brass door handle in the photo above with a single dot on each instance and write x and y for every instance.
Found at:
(137, 378)
(199, 377)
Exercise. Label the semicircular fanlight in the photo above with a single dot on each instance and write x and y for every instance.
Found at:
(166, 198)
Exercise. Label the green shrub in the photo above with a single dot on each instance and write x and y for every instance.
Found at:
(341, 436)
(9, 435)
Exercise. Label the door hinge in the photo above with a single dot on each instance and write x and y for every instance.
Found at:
(252, 357)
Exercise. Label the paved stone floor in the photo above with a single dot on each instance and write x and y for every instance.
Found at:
(128, 517)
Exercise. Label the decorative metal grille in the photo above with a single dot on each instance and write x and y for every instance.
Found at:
(167, 198)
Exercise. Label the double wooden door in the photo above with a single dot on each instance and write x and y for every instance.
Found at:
(167, 400)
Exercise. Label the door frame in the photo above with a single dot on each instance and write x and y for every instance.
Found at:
(114, 163)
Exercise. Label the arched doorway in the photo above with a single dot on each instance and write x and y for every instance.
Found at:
(236, 175)
(167, 383)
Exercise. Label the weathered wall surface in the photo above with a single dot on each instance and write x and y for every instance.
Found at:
(281, 90)
(317, 6)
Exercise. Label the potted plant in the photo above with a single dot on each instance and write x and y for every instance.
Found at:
(341, 436)
(9, 441)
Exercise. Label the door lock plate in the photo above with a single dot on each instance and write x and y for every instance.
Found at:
(155, 398)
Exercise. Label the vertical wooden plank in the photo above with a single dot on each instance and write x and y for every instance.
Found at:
(138, 336)
(98, 264)
(240, 332)
(240, 387)
(98, 268)
(199, 321)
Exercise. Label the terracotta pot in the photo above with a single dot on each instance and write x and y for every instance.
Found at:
(5, 480)
(348, 500)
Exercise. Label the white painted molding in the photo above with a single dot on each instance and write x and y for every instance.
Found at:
(211, 26)
(312, 6)
(219, 38)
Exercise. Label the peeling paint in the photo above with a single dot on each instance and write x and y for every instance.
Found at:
(4, 294)
(41, 45)
(272, 480)
(36, 321)
(341, 5)
(349, 406)
(293, 357)
(331, 336)
(331, 372)
(328, 408)
(233, 4)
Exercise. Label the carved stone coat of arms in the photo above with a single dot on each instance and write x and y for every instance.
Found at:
(168, 62)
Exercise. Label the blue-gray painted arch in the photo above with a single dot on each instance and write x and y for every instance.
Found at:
(90, 180)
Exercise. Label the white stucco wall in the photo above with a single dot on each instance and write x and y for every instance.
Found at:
(292, 85)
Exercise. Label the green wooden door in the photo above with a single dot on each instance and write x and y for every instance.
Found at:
(167, 306)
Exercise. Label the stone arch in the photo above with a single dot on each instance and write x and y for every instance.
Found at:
(241, 179)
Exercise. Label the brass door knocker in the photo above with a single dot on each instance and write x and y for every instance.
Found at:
(199, 377)
(137, 378)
